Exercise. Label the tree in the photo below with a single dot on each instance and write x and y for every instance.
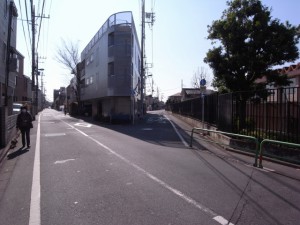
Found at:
(68, 55)
(199, 75)
(251, 43)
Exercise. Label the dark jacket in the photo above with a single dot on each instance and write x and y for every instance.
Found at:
(24, 120)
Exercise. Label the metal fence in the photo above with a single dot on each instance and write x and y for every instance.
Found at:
(271, 113)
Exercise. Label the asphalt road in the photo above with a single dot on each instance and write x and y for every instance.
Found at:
(77, 172)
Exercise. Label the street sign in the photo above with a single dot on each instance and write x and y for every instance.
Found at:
(202, 82)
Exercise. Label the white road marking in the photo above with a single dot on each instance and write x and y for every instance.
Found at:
(55, 134)
(84, 134)
(177, 132)
(63, 161)
(222, 220)
(178, 193)
(264, 169)
(35, 202)
(83, 125)
(267, 169)
(47, 122)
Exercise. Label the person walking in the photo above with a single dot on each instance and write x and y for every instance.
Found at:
(24, 123)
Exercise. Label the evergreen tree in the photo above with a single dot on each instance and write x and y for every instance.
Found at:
(251, 43)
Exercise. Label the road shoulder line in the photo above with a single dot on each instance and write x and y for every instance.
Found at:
(35, 203)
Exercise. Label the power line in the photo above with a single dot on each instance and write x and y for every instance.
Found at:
(46, 52)
(24, 30)
(45, 43)
(40, 24)
(28, 21)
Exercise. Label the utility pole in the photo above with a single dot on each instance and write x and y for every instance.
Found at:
(142, 57)
(33, 69)
(37, 82)
(34, 66)
(150, 17)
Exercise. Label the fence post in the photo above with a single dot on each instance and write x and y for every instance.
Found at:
(3, 126)
(276, 142)
(191, 142)
(229, 134)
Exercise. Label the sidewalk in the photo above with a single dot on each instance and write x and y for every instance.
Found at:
(269, 165)
(4, 151)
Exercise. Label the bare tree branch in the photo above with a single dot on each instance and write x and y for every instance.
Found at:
(199, 75)
(68, 56)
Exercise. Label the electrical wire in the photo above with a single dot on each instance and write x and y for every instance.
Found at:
(24, 29)
(46, 52)
(39, 33)
(28, 22)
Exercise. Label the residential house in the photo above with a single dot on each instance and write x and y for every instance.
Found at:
(175, 98)
(22, 90)
(190, 93)
(71, 100)
(59, 99)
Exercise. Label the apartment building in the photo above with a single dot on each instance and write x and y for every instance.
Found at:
(110, 70)
(22, 91)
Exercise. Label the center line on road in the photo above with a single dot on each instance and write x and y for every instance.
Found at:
(178, 193)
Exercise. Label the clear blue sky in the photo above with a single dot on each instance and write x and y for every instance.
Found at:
(176, 47)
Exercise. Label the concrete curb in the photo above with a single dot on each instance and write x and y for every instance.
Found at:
(3, 152)
(193, 122)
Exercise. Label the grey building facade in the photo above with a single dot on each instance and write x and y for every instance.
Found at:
(110, 74)
(8, 15)
(9, 66)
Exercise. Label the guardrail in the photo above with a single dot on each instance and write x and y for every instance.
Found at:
(230, 134)
(258, 148)
(275, 142)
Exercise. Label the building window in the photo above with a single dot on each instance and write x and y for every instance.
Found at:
(111, 69)
(111, 39)
(127, 48)
(4, 52)
(6, 8)
(89, 81)
(92, 58)
(97, 57)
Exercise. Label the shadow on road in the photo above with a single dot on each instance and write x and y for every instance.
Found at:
(152, 128)
(17, 153)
